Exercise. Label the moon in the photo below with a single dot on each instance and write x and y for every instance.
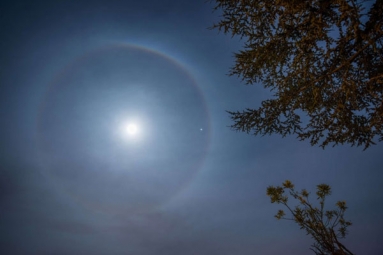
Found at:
(132, 129)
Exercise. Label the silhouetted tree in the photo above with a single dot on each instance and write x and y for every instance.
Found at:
(323, 59)
(324, 226)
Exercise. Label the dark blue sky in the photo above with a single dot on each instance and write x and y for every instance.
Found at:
(74, 73)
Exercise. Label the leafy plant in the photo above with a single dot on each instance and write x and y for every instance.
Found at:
(323, 60)
(326, 227)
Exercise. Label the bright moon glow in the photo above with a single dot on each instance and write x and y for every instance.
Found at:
(132, 129)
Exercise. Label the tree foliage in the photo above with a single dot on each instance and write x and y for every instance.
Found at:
(322, 59)
(324, 226)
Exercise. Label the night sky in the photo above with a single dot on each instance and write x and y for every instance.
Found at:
(115, 139)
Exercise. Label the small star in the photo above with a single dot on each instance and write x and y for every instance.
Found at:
(201, 129)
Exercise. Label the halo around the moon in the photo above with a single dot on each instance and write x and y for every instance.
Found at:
(82, 152)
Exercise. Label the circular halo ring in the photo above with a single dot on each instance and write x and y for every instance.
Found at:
(53, 88)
